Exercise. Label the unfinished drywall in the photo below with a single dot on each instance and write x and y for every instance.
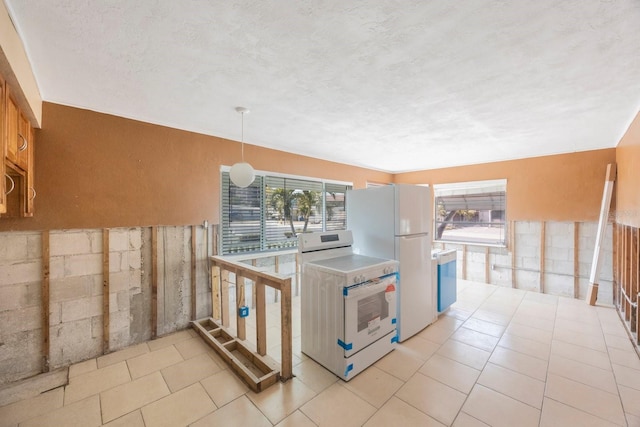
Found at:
(76, 316)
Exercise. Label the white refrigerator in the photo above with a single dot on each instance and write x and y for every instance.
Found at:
(394, 222)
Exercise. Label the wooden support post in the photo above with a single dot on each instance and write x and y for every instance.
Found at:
(286, 333)
(487, 266)
(627, 274)
(261, 318)
(636, 290)
(193, 274)
(105, 291)
(277, 270)
(633, 282)
(240, 321)
(616, 277)
(224, 297)
(592, 293)
(513, 254)
(154, 282)
(253, 288)
(543, 240)
(216, 304)
(464, 262)
(576, 260)
(46, 259)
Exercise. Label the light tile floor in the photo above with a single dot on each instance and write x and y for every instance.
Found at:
(497, 357)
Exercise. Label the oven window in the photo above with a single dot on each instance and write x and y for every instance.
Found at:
(370, 308)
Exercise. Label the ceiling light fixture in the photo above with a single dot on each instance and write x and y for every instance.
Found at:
(242, 174)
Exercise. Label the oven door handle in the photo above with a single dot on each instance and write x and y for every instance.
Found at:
(371, 287)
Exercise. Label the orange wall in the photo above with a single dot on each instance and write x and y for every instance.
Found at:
(566, 187)
(96, 170)
(628, 178)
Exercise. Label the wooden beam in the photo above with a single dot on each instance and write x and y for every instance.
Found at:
(596, 264)
(193, 273)
(105, 291)
(543, 240)
(46, 260)
(154, 282)
(224, 297)
(241, 327)
(277, 271)
(253, 288)
(215, 293)
(616, 263)
(261, 318)
(636, 262)
(286, 333)
(627, 273)
(576, 259)
(487, 266)
(512, 234)
(464, 262)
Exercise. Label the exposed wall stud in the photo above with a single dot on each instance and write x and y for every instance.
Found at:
(576, 259)
(193, 273)
(512, 235)
(46, 259)
(154, 282)
(240, 301)
(542, 254)
(487, 266)
(105, 291)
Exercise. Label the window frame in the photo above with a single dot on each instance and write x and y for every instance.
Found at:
(471, 188)
(266, 243)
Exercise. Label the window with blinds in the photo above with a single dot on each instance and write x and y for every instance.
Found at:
(269, 214)
(471, 212)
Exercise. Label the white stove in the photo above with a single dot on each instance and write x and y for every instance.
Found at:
(348, 303)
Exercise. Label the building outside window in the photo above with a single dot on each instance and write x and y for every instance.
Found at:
(271, 212)
(471, 212)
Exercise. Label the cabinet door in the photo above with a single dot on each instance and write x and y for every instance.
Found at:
(3, 150)
(23, 141)
(11, 124)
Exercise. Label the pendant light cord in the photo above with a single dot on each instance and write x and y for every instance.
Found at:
(242, 137)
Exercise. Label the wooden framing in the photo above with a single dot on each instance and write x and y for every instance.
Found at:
(216, 302)
(256, 371)
(194, 309)
(592, 293)
(512, 243)
(222, 267)
(240, 302)
(543, 244)
(105, 291)
(154, 282)
(487, 266)
(46, 260)
(464, 262)
(224, 297)
(576, 259)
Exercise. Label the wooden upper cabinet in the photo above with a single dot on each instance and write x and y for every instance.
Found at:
(17, 161)
(24, 141)
(11, 123)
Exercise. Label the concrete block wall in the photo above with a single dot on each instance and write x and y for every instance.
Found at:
(20, 305)
(76, 292)
(558, 263)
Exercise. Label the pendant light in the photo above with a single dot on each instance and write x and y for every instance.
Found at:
(242, 174)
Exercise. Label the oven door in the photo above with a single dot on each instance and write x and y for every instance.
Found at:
(369, 313)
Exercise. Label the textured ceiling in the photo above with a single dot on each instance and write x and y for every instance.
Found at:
(390, 85)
